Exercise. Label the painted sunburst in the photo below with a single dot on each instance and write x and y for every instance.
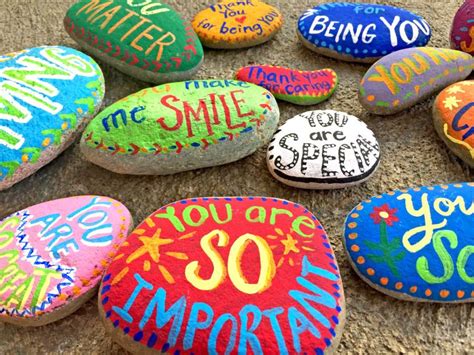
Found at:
(290, 244)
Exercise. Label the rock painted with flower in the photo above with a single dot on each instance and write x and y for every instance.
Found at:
(453, 117)
(146, 39)
(361, 32)
(404, 78)
(168, 288)
(323, 149)
(47, 95)
(237, 24)
(53, 255)
(181, 126)
(295, 86)
(416, 244)
(462, 29)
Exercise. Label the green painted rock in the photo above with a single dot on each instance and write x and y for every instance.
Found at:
(144, 39)
(181, 126)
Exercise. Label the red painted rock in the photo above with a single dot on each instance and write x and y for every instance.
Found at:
(53, 255)
(462, 30)
(225, 275)
(295, 86)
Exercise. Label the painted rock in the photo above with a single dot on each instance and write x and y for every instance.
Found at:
(295, 86)
(323, 150)
(170, 285)
(53, 255)
(401, 79)
(361, 32)
(181, 126)
(144, 39)
(47, 95)
(454, 119)
(416, 244)
(237, 24)
(462, 30)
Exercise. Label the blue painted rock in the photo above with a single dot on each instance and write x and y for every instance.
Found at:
(53, 256)
(462, 29)
(168, 289)
(323, 150)
(147, 39)
(181, 126)
(361, 32)
(416, 244)
(47, 95)
(402, 79)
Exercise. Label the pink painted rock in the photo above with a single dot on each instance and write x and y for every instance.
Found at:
(53, 255)
(462, 30)
(295, 86)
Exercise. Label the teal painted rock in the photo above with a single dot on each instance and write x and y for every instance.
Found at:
(148, 40)
(47, 95)
(416, 244)
(181, 126)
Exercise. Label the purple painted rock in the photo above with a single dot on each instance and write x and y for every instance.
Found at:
(53, 255)
(462, 30)
(402, 79)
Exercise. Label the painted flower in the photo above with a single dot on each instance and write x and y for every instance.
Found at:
(384, 213)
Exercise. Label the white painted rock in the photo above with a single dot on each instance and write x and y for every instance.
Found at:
(323, 150)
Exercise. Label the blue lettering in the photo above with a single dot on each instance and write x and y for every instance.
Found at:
(216, 329)
(295, 316)
(123, 312)
(194, 324)
(246, 334)
(272, 315)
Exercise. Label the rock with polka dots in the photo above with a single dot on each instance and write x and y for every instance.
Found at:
(361, 32)
(323, 150)
(53, 255)
(169, 287)
(416, 244)
(462, 29)
(402, 79)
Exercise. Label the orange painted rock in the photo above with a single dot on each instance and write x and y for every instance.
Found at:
(237, 24)
(453, 116)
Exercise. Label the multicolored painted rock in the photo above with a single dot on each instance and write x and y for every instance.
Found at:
(454, 119)
(53, 255)
(462, 30)
(404, 78)
(416, 244)
(237, 24)
(181, 126)
(361, 32)
(47, 95)
(295, 86)
(225, 275)
(323, 150)
(144, 39)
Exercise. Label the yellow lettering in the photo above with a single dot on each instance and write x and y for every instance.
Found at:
(385, 78)
(108, 16)
(161, 43)
(134, 28)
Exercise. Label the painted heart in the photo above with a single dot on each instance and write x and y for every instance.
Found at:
(240, 19)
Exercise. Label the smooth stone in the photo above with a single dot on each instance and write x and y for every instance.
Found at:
(295, 86)
(323, 150)
(42, 113)
(225, 275)
(147, 40)
(402, 79)
(462, 29)
(416, 244)
(361, 32)
(454, 119)
(181, 126)
(237, 24)
(53, 256)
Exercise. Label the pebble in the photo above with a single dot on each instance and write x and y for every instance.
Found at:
(225, 275)
(416, 244)
(404, 78)
(42, 114)
(454, 120)
(361, 32)
(53, 256)
(147, 40)
(181, 126)
(237, 24)
(295, 86)
(462, 29)
(323, 150)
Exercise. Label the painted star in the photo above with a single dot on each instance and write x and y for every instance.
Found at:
(151, 245)
(290, 245)
(455, 90)
(451, 102)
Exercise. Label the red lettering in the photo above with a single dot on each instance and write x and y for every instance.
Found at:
(188, 111)
(237, 106)
(179, 114)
